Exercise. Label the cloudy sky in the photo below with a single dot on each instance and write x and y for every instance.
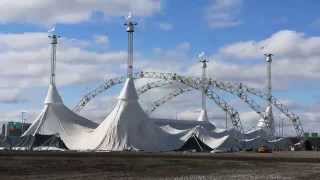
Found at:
(168, 38)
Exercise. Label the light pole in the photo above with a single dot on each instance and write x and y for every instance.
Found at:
(22, 121)
(130, 24)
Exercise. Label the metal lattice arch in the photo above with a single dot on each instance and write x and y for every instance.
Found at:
(194, 83)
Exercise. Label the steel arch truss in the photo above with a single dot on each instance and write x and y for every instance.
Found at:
(239, 90)
(167, 98)
(98, 90)
(110, 83)
(155, 84)
(194, 83)
(245, 90)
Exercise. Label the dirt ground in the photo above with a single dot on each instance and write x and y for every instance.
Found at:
(179, 166)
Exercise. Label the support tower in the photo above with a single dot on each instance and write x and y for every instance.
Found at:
(54, 42)
(203, 115)
(269, 113)
(130, 24)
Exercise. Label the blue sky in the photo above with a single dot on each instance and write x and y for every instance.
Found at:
(168, 38)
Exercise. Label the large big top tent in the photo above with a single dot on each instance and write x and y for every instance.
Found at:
(128, 128)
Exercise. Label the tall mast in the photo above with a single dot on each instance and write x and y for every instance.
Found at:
(204, 62)
(130, 24)
(54, 42)
(269, 92)
(269, 84)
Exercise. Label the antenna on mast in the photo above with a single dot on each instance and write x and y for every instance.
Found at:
(54, 41)
(130, 24)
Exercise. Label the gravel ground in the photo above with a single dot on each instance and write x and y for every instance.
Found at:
(178, 166)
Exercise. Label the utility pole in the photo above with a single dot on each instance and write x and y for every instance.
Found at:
(130, 24)
(282, 127)
(226, 119)
(22, 121)
(204, 61)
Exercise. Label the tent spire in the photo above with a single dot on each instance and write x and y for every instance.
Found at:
(130, 24)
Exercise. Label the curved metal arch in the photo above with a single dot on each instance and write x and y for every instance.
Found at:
(236, 89)
(167, 98)
(195, 83)
(143, 89)
(235, 118)
(234, 115)
(107, 84)
(239, 92)
(112, 82)
(242, 92)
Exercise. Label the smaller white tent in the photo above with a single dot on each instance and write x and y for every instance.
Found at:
(215, 141)
(56, 118)
(203, 115)
(218, 141)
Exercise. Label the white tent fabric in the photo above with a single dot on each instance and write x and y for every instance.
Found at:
(203, 115)
(56, 118)
(127, 127)
(258, 132)
(216, 141)
(183, 124)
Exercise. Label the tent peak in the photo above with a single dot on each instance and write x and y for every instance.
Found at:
(129, 91)
(203, 115)
(53, 96)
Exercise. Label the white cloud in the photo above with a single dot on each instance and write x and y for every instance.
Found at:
(296, 60)
(167, 60)
(49, 12)
(283, 43)
(101, 40)
(25, 63)
(223, 13)
(166, 26)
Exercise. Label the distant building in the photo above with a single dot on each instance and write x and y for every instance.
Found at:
(312, 141)
(14, 128)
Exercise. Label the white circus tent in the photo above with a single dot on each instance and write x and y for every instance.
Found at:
(127, 127)
(55, 118)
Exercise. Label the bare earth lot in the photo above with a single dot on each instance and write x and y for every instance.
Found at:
(97, 166)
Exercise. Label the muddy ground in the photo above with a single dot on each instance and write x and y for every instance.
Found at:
(125, 165)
